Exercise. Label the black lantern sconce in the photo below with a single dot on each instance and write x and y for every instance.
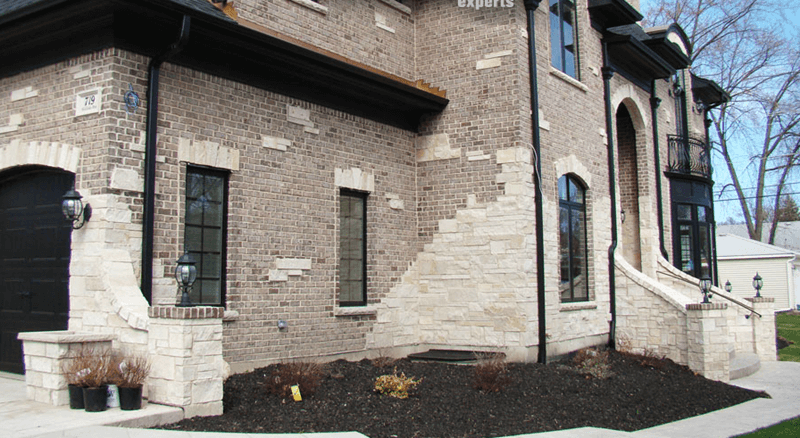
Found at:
(758, 283)
(705, 288)
(74, 210)
(622, 215)
(186, 274)
(728, 287)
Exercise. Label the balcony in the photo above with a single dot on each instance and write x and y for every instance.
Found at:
(689, 156)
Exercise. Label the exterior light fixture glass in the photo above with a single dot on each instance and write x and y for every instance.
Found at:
(74, 210)
(758, 283)
(705, 288)
(185, 274)
(728, 287)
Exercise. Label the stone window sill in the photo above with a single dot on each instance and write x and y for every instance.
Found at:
(568, 79)
(355, 311)
(312, 5)
(569, 307)
(397, 5)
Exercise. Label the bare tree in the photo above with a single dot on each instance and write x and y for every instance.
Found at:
(743, 45)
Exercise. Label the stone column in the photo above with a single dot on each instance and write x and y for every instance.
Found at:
(45, 352)
(764, 330)
(708, 339)
(185, 346)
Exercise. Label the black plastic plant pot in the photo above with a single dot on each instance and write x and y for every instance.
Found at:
(75, 396)
(95, 399)
(130, 399)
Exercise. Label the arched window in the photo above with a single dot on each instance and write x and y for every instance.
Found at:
(574, 284)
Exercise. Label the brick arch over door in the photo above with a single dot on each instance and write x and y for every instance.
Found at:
(628, 171)
(34, 256)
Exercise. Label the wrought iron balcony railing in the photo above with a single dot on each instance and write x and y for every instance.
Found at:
(689, 156)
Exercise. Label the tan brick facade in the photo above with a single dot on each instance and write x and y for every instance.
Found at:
(450, 249)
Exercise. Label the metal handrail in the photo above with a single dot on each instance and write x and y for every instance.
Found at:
(689, 156)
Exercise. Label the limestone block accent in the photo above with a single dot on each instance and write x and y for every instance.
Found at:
(571, 164)
(287, 267)
(380, 22)
(764, 328)
(488, 63)
(435, 147)
(126, 179)
(24, 93)
(45, 153)
(44, 354)
(185, 346)
(14, 122)
(395, 203)
(277, 143)
(355, 179)
(707, 336)
(299, 115)
(208, 153)
(312, 5)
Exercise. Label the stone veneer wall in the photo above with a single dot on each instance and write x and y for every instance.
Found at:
(185, 347)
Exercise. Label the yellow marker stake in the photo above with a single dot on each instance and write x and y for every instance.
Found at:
(296, 393)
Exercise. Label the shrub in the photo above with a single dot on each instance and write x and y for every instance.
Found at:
(383, 360)
(89, 369)
(394, 385)
(592, 363)
(307, 375)
(131, 371)
(491, 373)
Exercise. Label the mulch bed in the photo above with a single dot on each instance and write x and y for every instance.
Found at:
(445, 404)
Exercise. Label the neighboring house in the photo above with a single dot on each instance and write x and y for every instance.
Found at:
(787, 234)
(740, 259)
(355, 176)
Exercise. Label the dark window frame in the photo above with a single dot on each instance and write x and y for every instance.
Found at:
(571, 206)
(696, 236)
(557, 45)
(363, 197)
(198, 255)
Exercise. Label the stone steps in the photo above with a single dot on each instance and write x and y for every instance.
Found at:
(744, 364)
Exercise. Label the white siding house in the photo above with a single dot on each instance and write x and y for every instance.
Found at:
(740, 259)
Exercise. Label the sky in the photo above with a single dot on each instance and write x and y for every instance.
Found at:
(727, 205)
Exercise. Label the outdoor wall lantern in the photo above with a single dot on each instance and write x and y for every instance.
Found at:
(622, 215)
(758, 283)
(74, 210)
(728, 287)
(705, 288)
(186, 274)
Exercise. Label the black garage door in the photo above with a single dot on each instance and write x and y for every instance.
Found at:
(34, 258)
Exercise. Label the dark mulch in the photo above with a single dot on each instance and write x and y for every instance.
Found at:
(445, 404)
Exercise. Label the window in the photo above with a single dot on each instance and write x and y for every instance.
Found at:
(352, 248)
(205, 232)
(564, 37)
(574, 285)
(693, 242)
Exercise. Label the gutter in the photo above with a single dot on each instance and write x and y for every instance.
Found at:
(151, 141)
(530, 8)
(654, 103)
(608, 73)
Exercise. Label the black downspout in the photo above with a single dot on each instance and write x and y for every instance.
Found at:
(707, 123)
(608, 73)
(530, 7)
(151, 138)
(654, 103)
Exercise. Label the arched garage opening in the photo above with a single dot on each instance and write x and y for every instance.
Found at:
(34, 257)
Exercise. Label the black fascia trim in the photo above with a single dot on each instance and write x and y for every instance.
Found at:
(708, 91)
(669, 51)
(612, 13)
(630, 55)
(219, 47)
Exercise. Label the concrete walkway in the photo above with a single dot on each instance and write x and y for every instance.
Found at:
(20, 418)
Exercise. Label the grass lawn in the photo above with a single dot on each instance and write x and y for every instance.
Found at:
(788, 428)
(789, 328)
